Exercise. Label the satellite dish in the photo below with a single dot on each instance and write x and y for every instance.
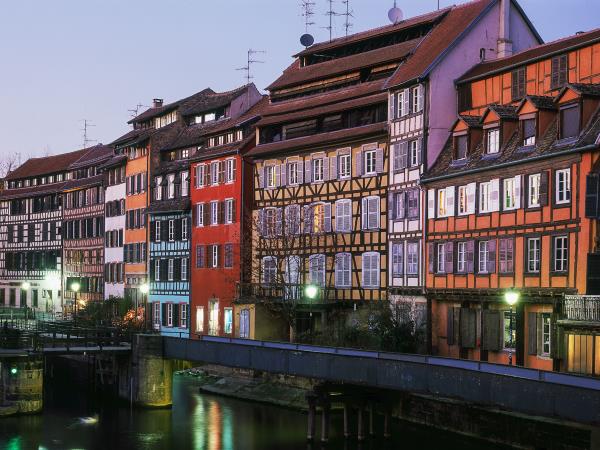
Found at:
(395, 15)
(307, 40)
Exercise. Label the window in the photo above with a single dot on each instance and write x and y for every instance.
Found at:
(269, 222)
(462, 200)
(228, 257)
(245, 323)
(545, 319)
(199, 319)
(171, 230)
(413, 203)
(292, 220)
(370, 270)
(344, 166)
(561, 253)
(563, 186)
(321, 219)
(403, 103)
(484, 256)
(461, 257)
(228, 320)
(415, 152)
(318, 174)
(461, 146)
(271, 176)
(510, 194)
(184, 184)
(183, 317)
(533, 194)
(343, 269)
(158, 189)
(157, 270)
(184, 269)
(269, 270)
(518, 84)
(507, 255)
(157, 231)
(170, 269)
(156, 315)
(214, 172)
(397, 259)
(441, 203)
(213, 317)
(230, 170)
(214, 213)
(292, 172)
(184, 228)
(510, 332)
(200, 215)
(214, 256)
(441, 258)
(229, 210)
(493, 140)
(412, 258)
(343, 216)
(485, 202)
(559, 72)
(200, 256)
(316, 264)
(171, 186)
(370, 162)
(528, 132)
(569, 121)
(370, 213)
(533, 255)
(417, 99)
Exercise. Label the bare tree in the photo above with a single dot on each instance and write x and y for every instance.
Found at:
(9, 162)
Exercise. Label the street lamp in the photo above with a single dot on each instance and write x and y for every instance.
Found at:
(25, 286)
(511, 297)
(144, 289)
(311, 291)
(75, 286)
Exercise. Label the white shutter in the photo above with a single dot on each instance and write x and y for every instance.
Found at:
(431, 204)
(471, 189)
(283, 174)
(333, 170)
(393, 106)
(495, 195)
(518, 191)
(277, 175)
(300, 172)
(419, 93)
(326, 169)
(366, 269)
(365, 213)
(450, 201)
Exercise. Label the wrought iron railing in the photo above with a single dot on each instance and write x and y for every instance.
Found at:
(279, 292)
(582, 307)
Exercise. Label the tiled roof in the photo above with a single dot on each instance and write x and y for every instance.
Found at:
(504, 111)
(512, 152)
(214, 100)
(541, 101)
(133, 137)
(154, 112)
(98, 154)
(45, 165)
(296, 75)
(330, 138)
(116, 160)
(527, 56)
(453, 25)
(471, 121)
(83, 182)
(169, 205)
(590, 89)
(32, 191)
(254, 112)
(222, 150)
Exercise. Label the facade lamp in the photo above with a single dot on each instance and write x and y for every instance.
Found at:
(75, 286)
(511, 297)
(144, 288)
(26, 285)
(311, 291)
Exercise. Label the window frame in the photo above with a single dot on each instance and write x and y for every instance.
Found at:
(537, 252)
(564, 259)
(562, 197)
(531, 187)
(347, 172)
(492, 144)
(370, 158)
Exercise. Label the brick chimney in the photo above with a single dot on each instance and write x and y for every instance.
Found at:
(157, 102)
(504, 42)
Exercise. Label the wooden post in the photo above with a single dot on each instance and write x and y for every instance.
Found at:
(346, 427)
(360, 433)
(310, 432)
(386, 424)
(325, 422)
(371, 412)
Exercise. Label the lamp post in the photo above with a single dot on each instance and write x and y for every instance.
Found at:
(144, 289)
(25, 286)
(511, 297)
(75, 286)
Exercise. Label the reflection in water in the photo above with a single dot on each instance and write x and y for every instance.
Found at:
(197, 422)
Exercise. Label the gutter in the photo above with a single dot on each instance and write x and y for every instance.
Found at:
(509, 163)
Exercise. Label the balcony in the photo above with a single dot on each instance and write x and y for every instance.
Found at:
(257, 293)
(582, 308)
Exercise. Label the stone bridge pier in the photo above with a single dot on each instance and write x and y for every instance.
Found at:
(147, 379)
(22, 385)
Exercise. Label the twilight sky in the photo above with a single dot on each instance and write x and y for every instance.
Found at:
(63, 61)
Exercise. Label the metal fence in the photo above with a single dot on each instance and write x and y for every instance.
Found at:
(582, 307)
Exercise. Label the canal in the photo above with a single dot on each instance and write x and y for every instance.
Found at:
(197, 421)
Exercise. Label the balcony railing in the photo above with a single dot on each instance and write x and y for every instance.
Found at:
(582, 307)
(280, 292)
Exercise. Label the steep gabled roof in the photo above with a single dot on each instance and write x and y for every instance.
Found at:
(539, 102)
(45, 165)
(98, 154)
(505, 112)
(154, 112)
(530, 55)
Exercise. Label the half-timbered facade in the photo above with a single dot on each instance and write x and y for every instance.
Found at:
(422, 101)
(31, 223)
(507, 211)
(83, 230)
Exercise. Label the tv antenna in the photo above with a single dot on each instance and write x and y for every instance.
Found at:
(250, 62)
(87, 124)
(349, 13)
(136, 111)
(331, 13)
(307, 12)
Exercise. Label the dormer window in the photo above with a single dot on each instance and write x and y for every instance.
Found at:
(492, 139)
(461, 146)
(529, 133)
(209, 117)
(569, 121)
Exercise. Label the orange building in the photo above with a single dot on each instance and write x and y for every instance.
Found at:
(512, 208)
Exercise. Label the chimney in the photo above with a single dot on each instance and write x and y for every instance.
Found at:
(504, 42)
(157, 102)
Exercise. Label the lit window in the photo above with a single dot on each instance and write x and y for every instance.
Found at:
(441, 204)
(462, 200)
(510, 329)
(228, 320)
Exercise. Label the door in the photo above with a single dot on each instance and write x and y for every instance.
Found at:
(213, 319)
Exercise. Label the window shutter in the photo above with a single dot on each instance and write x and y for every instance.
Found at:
(544, 188)
(277, 175)
(491, 262)
(471, 198)
(283, 174)
(492, 330)
(197, 176)
(392, 213)
(495, 195)
(164, 314)
(450, 200)
(592, 196)
(401, 212)
(470, 256)
(333, 171)
(260, 224)
(379, 160)
(300, 172)
(279, 221)
(177, 270)
(164, 230)
(431, 257)
(403, 158)
(468, 327)
(431, 204)
(518, 190)
(359, 164)
(532, 332)
(419, 150)
(326, 169)
(233, 211)
(365, 213)
(308, 219)
(450, 326)
(175, 308)
(327, 224)
(261, 176)
(392, 106)
(308, 171)
(405, 102)
(221, 169)
(152, 232)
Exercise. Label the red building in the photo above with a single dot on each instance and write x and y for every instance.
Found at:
(220, 187)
